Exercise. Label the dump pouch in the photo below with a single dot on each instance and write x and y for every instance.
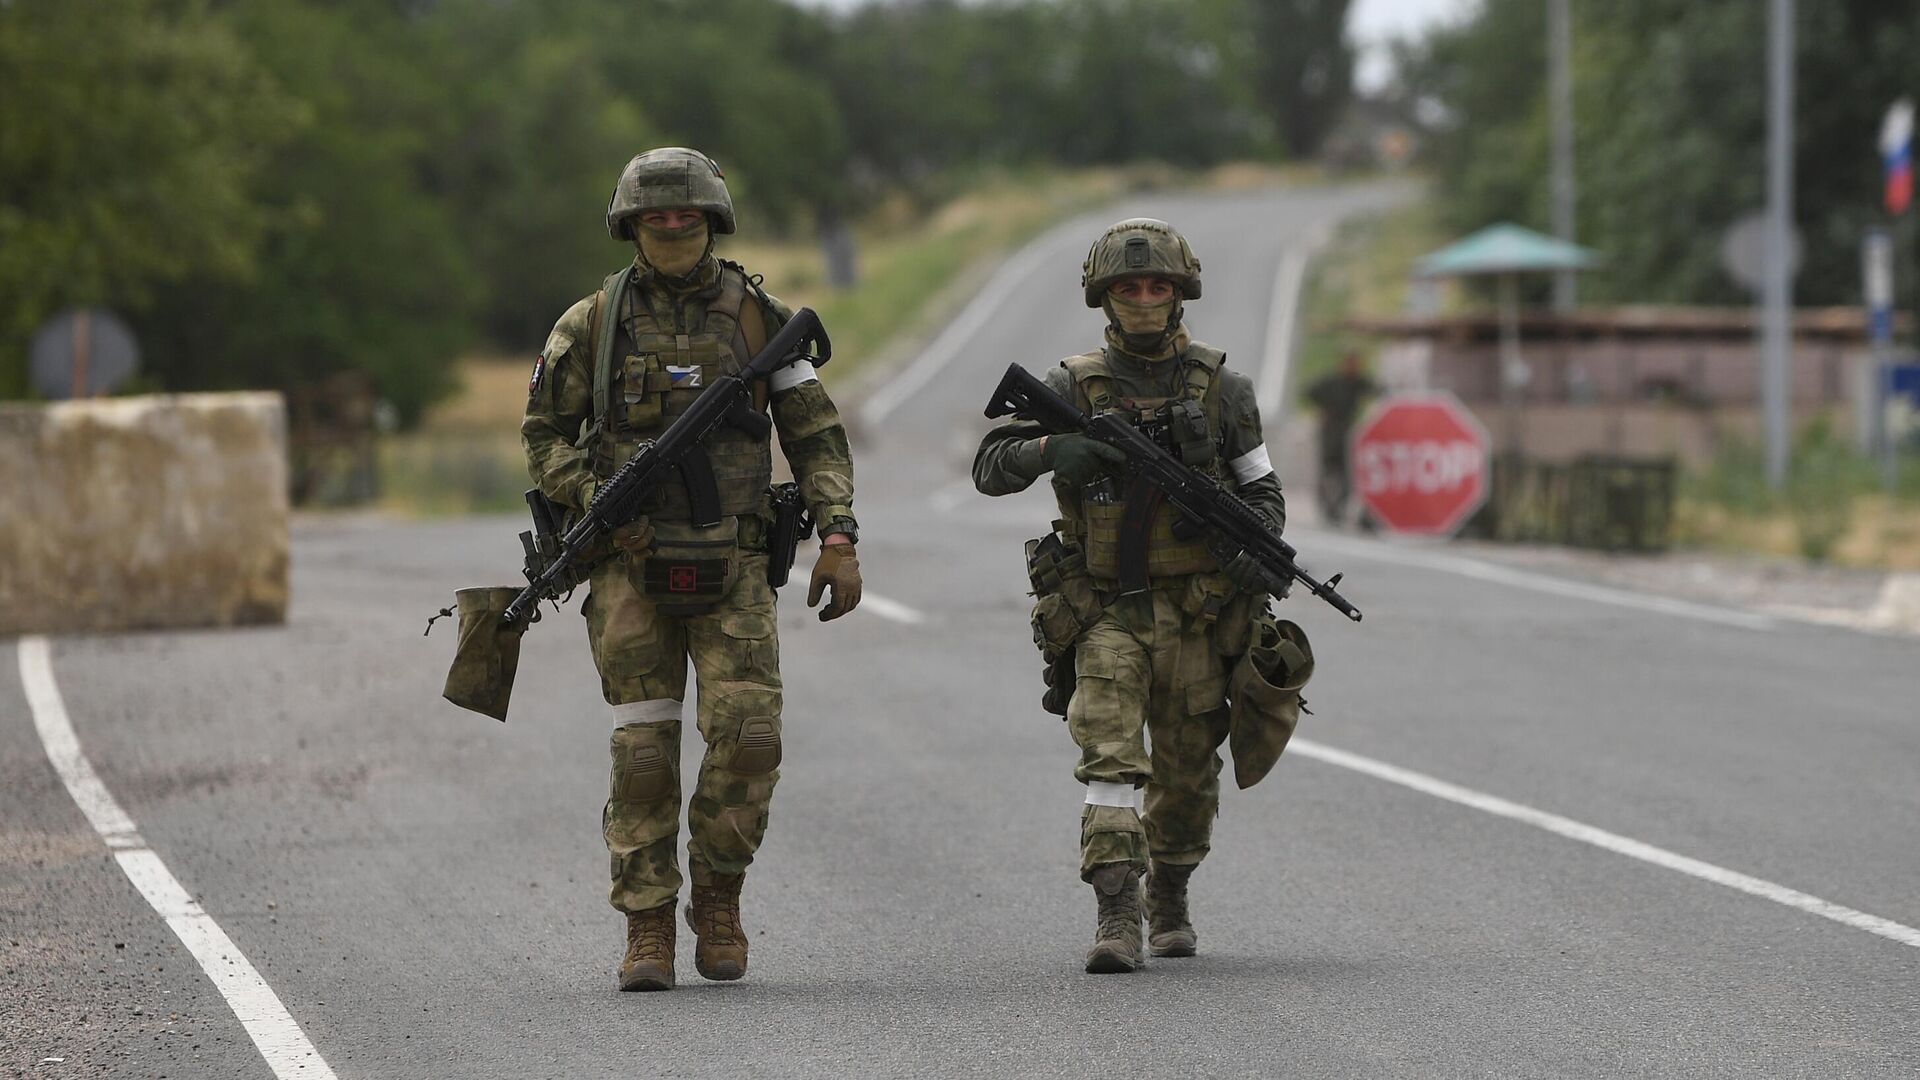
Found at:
(1264, 691)
(487, 654)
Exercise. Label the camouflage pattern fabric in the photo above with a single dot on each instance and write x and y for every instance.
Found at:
(1151, 664)
(642, 656)
(1147, 667)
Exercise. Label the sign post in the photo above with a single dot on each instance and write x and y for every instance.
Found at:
(1420, 463)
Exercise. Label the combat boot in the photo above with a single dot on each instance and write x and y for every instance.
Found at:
(1169, 928)
(649, 961)
(1116, 944)
(720, 953)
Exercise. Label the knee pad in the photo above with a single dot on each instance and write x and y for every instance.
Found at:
(642, 770)
(757, 750)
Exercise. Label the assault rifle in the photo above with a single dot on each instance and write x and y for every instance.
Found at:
(1230, 526)
(681, 449)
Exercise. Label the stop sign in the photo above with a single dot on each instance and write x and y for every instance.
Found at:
(1420, 463)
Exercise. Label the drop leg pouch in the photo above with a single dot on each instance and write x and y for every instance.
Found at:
(487, 654)
(1264, 696)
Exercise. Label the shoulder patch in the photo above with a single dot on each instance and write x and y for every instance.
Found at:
(539, 374)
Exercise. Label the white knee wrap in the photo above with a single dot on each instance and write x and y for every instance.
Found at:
(1104, 794)
(658, 711)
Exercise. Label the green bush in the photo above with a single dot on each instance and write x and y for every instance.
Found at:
(1826, 476)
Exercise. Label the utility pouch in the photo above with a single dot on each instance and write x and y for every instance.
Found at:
(1067, 604)
(791, 524)
(487, 654)
(691, 567)
(1264, 695)
(643, 387)
(1187, 425)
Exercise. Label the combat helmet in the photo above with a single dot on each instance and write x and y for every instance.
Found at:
(1139, 246)
(668, 177)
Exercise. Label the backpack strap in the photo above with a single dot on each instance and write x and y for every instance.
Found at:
(601, 336)
(753, 324)
(1203, 363)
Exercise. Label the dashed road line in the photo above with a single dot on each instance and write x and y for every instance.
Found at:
(1282, 319)
(892, 610)
(1614, 842)
(273, 1030)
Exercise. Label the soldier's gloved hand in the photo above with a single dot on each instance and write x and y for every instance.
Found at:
(1080, 460)
(1245, 571)
(635, 538)
(840, 568)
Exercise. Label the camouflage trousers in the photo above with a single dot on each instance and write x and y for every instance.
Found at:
(1147, 668)
(642, 656)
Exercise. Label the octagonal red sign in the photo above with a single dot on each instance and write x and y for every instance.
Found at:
(1420, 463)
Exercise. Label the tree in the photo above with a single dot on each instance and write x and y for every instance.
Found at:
(129, 147)
(1303, 67)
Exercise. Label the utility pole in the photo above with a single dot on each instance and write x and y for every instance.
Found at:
(1776, 331)
(1560, 94)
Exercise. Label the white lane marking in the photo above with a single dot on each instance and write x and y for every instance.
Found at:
(964, 326)
(1614, 842)
(1282, 314)
(1521, 579)
(274, 1032)
(892, 610)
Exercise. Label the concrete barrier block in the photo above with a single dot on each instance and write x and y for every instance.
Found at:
(143, 512)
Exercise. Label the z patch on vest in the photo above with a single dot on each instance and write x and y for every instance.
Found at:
(684, 378)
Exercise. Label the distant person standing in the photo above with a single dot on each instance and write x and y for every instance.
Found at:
(1339, 399)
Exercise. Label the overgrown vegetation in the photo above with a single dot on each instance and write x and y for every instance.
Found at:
(278, 190)
(1835, 506)
(1365, 270)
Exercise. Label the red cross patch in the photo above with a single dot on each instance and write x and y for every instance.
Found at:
(683, 579)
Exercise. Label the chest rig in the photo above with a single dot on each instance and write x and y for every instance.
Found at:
(1126, 528)
(653, 357)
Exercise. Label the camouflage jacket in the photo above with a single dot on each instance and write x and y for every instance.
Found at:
(1009, 458)
(560, 410)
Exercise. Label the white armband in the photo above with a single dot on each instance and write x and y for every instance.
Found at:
(792, 375)
(1251, 465)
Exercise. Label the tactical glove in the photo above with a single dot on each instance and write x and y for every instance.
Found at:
(635, 538)
(840, 568)
(1245, 571)
(1080, 460)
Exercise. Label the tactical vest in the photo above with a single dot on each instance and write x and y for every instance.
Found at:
(649, 367)
(1188, 424)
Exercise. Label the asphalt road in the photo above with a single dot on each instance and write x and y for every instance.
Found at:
(424, 888)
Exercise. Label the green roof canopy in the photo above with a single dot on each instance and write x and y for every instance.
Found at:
(1505, 249)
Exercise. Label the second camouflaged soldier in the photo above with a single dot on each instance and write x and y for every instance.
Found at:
(619, 367)
(1152, 663)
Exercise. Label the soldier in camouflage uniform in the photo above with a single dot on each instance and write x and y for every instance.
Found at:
(619, 367)
(1153, 663)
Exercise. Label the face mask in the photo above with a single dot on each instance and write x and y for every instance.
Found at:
(1132, 318)
(673, 252)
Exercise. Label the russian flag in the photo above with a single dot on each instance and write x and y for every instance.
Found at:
(1900, 180)
(1896, 149)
